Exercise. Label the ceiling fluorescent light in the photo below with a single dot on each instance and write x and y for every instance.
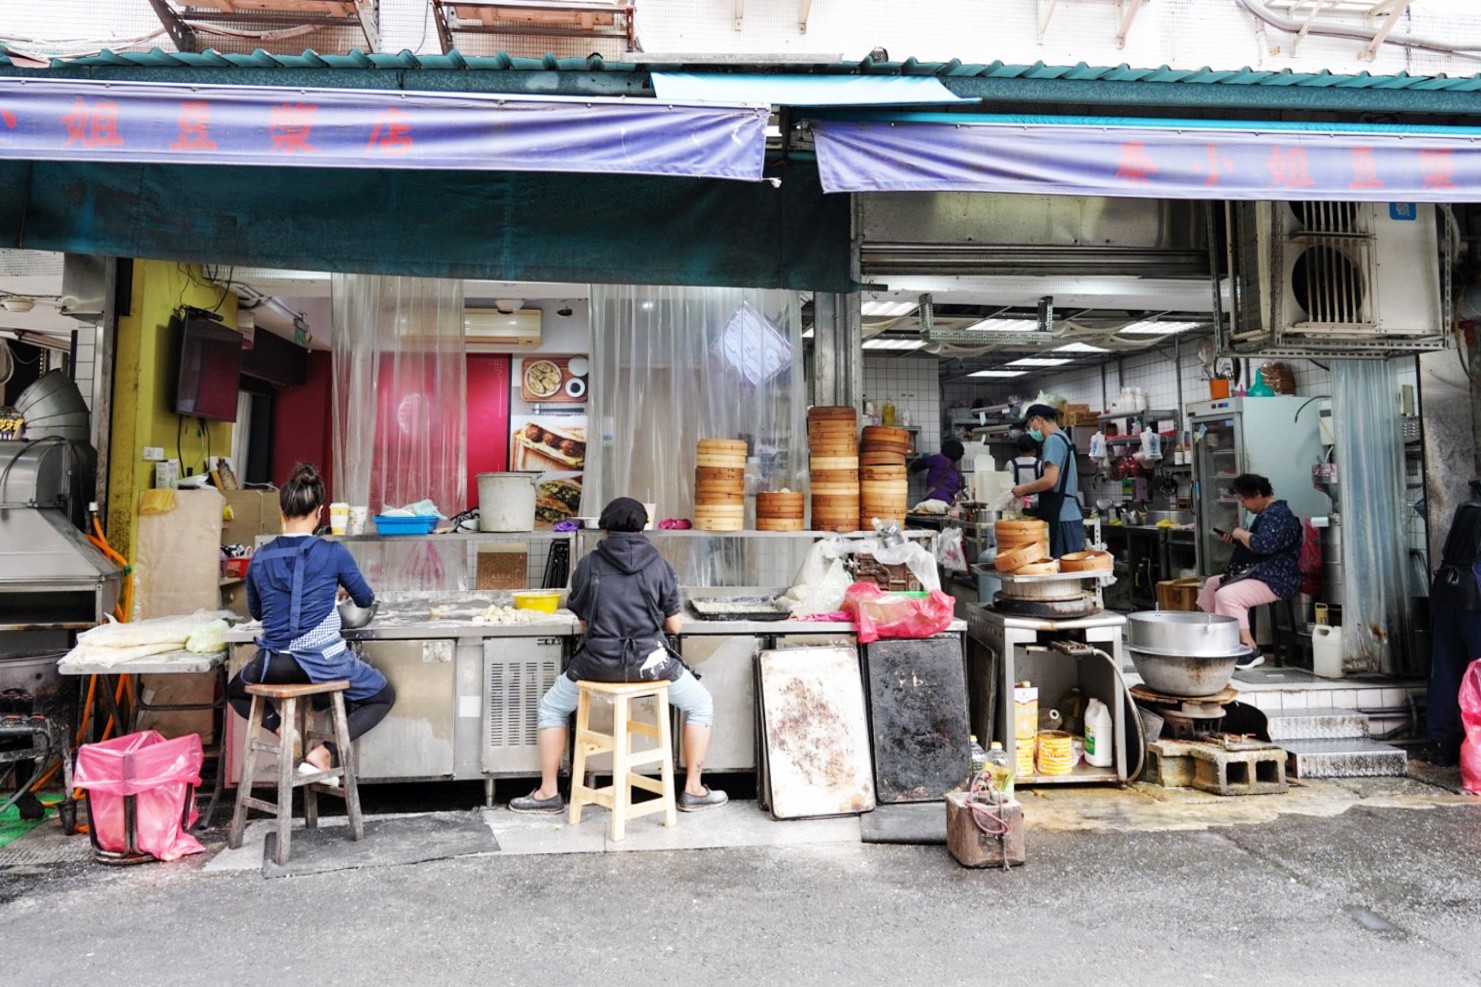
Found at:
(1004, 325)
(998, 373)
(1079, 348)
(879, 343)
(887, 310)
(1153, 328)
(1039, 361)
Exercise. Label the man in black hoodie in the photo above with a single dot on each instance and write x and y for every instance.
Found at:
(628, 598)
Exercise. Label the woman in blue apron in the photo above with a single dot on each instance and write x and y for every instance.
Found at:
(292, 585)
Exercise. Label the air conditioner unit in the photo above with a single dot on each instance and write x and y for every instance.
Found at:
(1354, 278)
(487, 330)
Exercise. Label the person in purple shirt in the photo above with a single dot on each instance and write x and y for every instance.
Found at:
(944, 479)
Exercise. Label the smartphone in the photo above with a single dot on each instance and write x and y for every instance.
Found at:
(1220, 532)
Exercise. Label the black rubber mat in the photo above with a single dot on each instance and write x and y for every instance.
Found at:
(387, 843)
(905, 822)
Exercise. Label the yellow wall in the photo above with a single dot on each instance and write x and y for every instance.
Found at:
(143, 388)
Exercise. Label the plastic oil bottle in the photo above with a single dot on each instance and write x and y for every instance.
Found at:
(1000, 769)
(979, 762)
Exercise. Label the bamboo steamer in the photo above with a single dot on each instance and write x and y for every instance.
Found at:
(1039, 567)
(824, 412)
(883, 473)
(779, 524)
(1013, 560)
(1091, 562)
(833, 463)
(723, 446)
(703, 473)
(720, 462)
(871, 457)
(705, 524)
(886, 434)
(834, 477)
(1009, 535)
(779, 505)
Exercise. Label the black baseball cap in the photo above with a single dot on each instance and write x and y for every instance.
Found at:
(1039, 411)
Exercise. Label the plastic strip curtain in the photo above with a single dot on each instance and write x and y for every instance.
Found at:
(1376, 614)
(675, 365)
(400, 385)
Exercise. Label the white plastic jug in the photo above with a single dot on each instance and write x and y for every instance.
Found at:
(1098, 740)
(506, 501)
(1326, 651)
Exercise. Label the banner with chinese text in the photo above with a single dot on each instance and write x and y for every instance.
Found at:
(57, 120)
(1150, 159)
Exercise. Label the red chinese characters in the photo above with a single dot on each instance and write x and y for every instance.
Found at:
(1364, 169)
(1134, 164)
(391, 133)
(8, 118)
(195, 123)
(288, 125)
(93, 125)
(1214, 165)
(1437, 168)
(1288, 167)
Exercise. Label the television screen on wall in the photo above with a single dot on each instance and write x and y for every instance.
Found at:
(210, 367)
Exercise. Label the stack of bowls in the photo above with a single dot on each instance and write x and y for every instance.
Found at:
(720, 485)
(883, 483)
(779, 511)
(833, 445)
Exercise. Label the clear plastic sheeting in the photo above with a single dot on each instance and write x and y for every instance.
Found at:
(1377, 610)
(676, 365)
(400, 389)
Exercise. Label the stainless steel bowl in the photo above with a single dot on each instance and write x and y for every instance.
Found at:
(352, 617)
(1178, 633)
(1183, 675)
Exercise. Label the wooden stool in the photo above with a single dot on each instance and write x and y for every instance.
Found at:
(618, 795)
(295, 724)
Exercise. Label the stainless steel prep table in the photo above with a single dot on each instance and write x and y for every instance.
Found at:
(466, 696)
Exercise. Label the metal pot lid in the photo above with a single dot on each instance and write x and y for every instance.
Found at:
(1161, 653)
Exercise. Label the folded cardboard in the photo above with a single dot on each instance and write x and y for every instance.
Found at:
(253, 512)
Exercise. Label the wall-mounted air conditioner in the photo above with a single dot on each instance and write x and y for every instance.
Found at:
(1358, 277)
(490, 331)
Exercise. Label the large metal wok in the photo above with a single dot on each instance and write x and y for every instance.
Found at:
(1183, 654)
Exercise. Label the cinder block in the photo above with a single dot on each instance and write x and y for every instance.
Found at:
(1224, 772)
(1169, 764)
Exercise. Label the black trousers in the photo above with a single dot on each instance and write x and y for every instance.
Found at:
(275, 668)
(1457, 643)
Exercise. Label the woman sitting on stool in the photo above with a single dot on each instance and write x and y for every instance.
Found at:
(1263, 568)
(291, 587)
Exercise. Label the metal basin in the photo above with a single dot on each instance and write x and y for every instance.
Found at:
(1176, 517)
(1180, 634)
(352, 617)
(1181, 675)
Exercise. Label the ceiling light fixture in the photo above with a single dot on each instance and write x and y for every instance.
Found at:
(886, 309)
(1039, 361)
(879, 343)
(1079, 348)
(998, 373)
(1152, 327)
(1004, 325)
(18, 303)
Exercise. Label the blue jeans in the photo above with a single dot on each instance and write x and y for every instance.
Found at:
(685, 692)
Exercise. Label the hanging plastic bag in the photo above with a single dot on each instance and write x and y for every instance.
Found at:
(949, 551)
(878, 614)
(913, 555)
(1309, 562)
(160, 774)
(1470, 717)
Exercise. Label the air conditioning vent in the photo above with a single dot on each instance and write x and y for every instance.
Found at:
(513, 685)
(1330, 277)
(488, 330)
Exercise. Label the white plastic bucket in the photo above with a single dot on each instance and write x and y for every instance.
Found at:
(1326, 651)
(506, 501)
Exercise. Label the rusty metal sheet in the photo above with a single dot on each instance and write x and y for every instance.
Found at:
(918, 717)
(815, 734)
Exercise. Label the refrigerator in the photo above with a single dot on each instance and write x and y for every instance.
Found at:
(1276, 437)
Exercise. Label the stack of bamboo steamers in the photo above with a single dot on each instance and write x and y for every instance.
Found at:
(720, 485)
(833, 445)
(883, 484)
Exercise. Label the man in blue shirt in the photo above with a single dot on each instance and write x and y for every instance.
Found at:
(1059, 485)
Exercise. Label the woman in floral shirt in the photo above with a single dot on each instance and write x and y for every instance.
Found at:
(1263, 568)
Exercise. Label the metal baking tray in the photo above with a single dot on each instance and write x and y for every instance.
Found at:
(739, 608)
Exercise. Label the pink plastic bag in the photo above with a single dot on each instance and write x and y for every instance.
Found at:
(161, 775)
(879, 614)
(1470, 716)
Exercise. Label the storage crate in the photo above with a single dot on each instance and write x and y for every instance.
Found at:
(391, 525)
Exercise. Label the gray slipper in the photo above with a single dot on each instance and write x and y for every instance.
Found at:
(694, 803)
(528, 803)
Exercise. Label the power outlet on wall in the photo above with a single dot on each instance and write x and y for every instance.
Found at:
(154, 454)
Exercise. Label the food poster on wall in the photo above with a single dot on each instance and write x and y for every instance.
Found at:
(555, 447)
(553, 379)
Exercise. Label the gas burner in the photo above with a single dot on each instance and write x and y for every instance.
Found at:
(1186, 718)
(1223, 697)
(1082, 605)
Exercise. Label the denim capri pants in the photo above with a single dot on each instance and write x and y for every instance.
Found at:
(685, 692)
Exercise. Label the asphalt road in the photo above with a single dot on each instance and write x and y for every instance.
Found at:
(1372, 896)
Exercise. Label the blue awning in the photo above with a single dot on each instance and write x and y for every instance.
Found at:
(168, 123)
(804, 90)
(1149, 158)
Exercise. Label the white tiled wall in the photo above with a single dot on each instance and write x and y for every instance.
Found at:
(912, 383)
(84, 366)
